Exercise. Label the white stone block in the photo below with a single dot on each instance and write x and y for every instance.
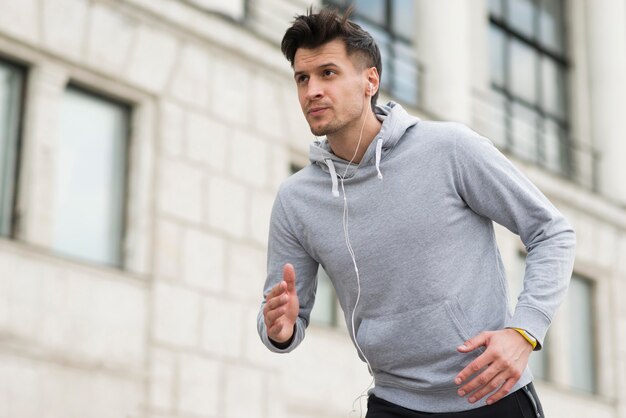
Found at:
(207, 141)
(152, 58)
(176, 315)
(247, 270)
(20, 389)
(244, 393)
(249, 159)
(163, 364)
(167, 249)
(280, 164)
(64, 26)
(228, 205)
(230, 92)
(172, 128)
(233, 8)
(222, 324)
(190, 83)
(180, 190)
(110, 38)
(203, 260)
(199, 390)
(262, 203)
(104, 322)
(299, 132)
(20, 19)
(255, 351)
(25, 313)
(268, 110)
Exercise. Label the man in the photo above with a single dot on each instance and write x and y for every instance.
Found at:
(409, 242)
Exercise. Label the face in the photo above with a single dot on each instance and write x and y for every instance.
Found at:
(331, 87)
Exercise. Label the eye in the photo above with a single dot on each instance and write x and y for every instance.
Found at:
(301, 79)
(328, 73)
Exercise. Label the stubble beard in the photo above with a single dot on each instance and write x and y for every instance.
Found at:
(335, 125)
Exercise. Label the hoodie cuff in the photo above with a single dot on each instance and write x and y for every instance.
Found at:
(532, 321)
(296, 339)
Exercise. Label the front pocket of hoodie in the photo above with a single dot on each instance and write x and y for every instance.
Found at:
(417, 349)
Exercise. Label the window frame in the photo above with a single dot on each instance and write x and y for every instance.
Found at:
(544, 118)
(127, 108)
(13, 159)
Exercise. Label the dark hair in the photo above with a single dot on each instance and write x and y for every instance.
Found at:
(315, 29)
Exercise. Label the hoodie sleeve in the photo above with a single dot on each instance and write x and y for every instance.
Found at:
(284, 247)
(493, 187)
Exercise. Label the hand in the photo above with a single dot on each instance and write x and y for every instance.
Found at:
(282, 307)
(505, 358)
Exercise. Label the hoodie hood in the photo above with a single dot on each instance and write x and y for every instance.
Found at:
(395, 121)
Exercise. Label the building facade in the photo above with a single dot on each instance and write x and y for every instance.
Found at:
(142, 143)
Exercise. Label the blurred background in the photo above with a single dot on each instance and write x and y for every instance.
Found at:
(142, 143)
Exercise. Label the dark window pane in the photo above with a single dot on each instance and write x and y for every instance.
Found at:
(523, 70)
(88, 216)
(520, 15)
(496, 55)
(373, 10)
(403, 18)
(551, 24)
(11, 79)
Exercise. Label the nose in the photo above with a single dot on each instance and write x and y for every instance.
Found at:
(314, 90)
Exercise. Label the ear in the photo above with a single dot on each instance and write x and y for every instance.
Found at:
(373, 81)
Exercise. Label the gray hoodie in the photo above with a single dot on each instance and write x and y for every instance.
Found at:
(420, 210)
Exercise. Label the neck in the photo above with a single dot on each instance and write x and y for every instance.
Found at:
(344, 143)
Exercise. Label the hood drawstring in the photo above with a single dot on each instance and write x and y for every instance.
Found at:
(379, 150)
(333, 176)
(333, 172)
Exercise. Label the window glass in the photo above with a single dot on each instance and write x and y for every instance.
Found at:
(495, 8)
(324, 311)
(581, 335)
(90, 174)
(523, 68)
(553, 88)
(11, 79)
(551, 24)
(496, 55)
(524, 133)
(373, 10)
(553, 140)
(403, 18)
(520, 16)
(405, 74)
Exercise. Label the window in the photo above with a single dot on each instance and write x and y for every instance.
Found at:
(90, 178)
(11, 87)
(528, 70)
(391, 24)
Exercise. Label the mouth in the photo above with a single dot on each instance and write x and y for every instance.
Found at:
(317, 111)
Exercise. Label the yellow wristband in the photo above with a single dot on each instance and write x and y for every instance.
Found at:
(527, 336)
